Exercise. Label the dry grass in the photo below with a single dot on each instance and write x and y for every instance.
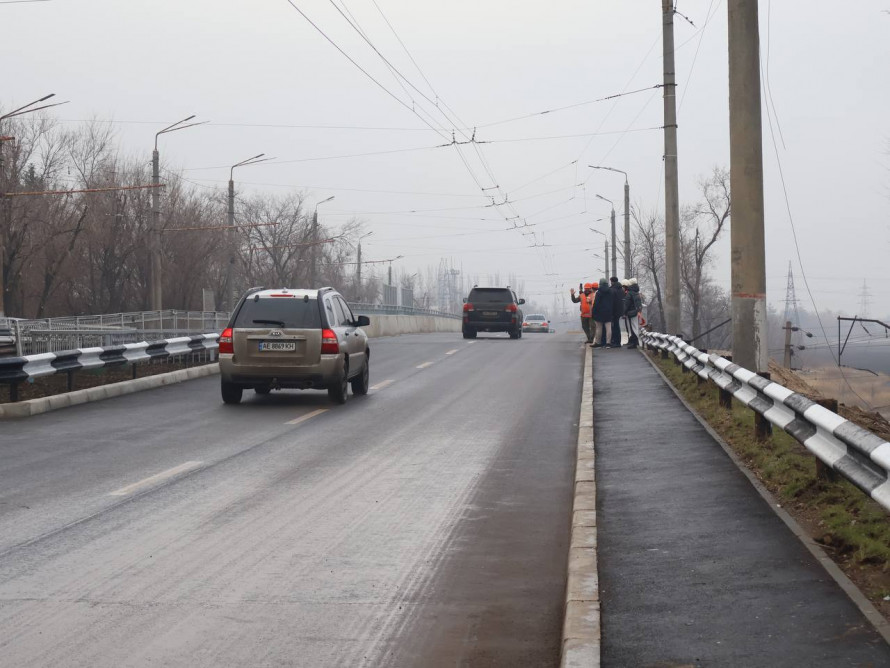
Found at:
(854, 528)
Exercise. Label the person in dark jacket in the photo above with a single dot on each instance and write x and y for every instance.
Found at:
(633, 305)
(602, 314)
(617, 311)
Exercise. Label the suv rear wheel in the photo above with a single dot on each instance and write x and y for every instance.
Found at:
(469, 333)
(231, 393)
(340, 389)
(361, 383)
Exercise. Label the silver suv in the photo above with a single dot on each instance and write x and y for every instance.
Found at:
(304, 339)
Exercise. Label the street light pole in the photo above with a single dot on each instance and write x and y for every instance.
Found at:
(359, 263)
(628, 259)
(614, 240)
(230, 269)
(154, 241)
(26, 109)
(312, 240)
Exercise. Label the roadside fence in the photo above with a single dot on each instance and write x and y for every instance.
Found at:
(23, 369)
(46, 335)
(843, 447)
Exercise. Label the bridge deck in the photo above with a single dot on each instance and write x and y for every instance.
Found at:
(695, 567)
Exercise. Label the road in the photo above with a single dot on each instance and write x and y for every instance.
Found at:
(425, 524)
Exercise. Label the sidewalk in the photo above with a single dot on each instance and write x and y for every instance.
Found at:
(695, 568)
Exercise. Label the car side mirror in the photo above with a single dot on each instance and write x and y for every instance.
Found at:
(363, 321)
(465, 300)
(521, 302)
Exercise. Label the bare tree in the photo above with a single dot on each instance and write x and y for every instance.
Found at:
(649, 257)
(700, 227)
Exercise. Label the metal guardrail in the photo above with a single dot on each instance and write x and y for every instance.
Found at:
(15, 370)
(858, 455)
(46, 335)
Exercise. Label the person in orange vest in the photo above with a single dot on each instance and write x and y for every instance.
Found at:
(586, 301)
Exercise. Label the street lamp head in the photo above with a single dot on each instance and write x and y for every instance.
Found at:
(606, 199)
(611, 169)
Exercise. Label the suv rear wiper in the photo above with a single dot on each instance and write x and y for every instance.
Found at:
(280, 323)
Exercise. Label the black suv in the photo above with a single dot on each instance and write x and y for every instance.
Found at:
(492, 310)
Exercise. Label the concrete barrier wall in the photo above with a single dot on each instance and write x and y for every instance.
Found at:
(392, 325)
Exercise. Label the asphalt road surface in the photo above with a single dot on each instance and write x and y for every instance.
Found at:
(425, 524)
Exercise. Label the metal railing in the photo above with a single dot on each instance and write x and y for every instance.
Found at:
(858, 455)
(46, 335)
(387, 309)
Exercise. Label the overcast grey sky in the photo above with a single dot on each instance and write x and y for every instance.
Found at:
(253, 68)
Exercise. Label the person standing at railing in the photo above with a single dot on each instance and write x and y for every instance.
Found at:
(585, 300)
(602, 315)
(617, 310)
(633, 308)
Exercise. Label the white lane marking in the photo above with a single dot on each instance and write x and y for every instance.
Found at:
(157, 478)
(308, 416)
(470, 343)
(425, 365)
(382, 384)
(451, 352)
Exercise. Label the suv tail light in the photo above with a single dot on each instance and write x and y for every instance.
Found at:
(329, 343)
(511, 308)
(468, 307)
(225, 342)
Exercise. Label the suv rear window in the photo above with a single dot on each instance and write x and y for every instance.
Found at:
(490, 295)
(288, 312)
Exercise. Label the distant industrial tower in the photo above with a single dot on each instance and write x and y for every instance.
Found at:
(449, 292)
(791, 301)
(793, 316)
(864, 301)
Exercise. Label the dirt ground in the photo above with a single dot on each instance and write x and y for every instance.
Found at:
(828, 382)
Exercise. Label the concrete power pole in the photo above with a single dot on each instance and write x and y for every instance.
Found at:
(358, 271)
(313, 235)
(749, 342)
(155, 238)
(230, 268)
(614, 248)
(671, 180)
(787, 360)
(606, 268)
(628, 264)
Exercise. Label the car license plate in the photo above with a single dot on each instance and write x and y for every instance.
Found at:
(277, 346)
(490, 314)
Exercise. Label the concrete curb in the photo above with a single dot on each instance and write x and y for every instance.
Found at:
(581, 625)
(57, 401)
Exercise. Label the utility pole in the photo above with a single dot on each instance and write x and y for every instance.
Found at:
(606, 269)
(230, 269)
(788, 353)
(671, 180)
(312, 239)
(154, 240)
(614, 248)
(358, 271)
(25, 109)
(628, 264)
(749, 335)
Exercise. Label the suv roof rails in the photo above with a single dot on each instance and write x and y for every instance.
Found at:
(250, 291)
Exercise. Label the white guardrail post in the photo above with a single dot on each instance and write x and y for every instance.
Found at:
(855, 453)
